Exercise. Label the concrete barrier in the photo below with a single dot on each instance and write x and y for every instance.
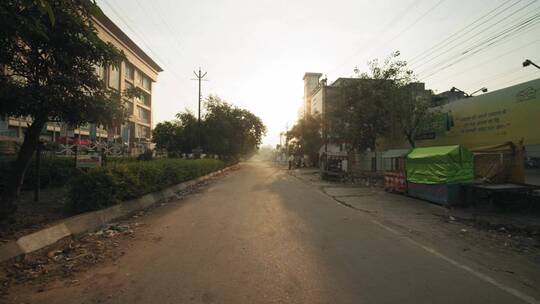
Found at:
(94, 220)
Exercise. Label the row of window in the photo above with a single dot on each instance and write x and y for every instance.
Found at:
(132, 74)
(142, 114)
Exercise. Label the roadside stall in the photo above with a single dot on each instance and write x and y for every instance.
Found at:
(394, 170)
(437, 173)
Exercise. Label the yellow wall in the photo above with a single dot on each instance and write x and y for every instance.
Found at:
(507, 115)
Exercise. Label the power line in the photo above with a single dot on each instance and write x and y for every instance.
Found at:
(409, 26)
(470, 68)
(398, 17)
(507, 83)
(134, 32)
(531, 22)
(445, 42)
(471, 37)
(164, 23)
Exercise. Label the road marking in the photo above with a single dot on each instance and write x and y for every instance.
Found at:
(522, 296)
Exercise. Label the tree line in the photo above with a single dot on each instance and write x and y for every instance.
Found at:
(225, 130)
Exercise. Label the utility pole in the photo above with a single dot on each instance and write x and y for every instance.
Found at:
(199, 78)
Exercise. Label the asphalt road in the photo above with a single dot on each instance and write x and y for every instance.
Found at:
(259, 235)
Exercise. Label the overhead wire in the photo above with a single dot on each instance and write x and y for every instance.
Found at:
(399, 16)
(531, 22)
(448, 39)
(480, 33)
(405, 29)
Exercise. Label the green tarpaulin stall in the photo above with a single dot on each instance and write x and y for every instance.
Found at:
(440, 165)
(435, 173)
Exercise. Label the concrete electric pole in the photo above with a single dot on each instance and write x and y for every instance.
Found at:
(199, 78)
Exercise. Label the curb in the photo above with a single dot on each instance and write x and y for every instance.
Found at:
(93, 220)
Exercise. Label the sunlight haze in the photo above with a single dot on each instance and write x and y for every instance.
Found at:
(256, 52)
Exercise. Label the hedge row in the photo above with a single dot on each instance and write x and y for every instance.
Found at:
(106, 186)
(54, 172)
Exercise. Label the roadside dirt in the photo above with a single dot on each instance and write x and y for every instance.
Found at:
(60, 265)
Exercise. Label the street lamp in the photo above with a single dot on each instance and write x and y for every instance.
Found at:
(484, 90)
(454, 89)
(528, 62)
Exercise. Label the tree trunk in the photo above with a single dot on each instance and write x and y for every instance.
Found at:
(24, 158)
(410, 138)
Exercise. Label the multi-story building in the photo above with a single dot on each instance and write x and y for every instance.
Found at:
(319, 97)
(138, 71)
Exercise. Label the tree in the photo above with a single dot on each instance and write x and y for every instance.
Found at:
(226, 130)
(385, 98)
(165, 135)
(359, 115)
(49, 51)
(229, 130)
(409, 104)
(177, 136)
(307, 135)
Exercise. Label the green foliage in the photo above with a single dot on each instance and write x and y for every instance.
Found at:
(305, 137)
(383, 101)
(106, 186)
(49, 51)
(54, 172)
(226, 130)
(179, 136)
(51, 65)
(147, 155)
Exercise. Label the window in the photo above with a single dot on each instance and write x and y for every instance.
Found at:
(144, 115)
(146, 83)
(138, 77)
(114, 78)
(143, 132)
(145, 99)
(129, 106)
(129, 71)
(127, 86)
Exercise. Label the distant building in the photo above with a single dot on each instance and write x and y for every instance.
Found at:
(139, 71)
(319, 97)
(311, 82)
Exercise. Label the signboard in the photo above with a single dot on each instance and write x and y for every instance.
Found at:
(88, 161)
(507, 115)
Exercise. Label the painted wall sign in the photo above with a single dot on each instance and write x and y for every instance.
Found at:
(507, 115)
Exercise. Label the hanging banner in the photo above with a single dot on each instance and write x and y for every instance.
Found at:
(508, 115)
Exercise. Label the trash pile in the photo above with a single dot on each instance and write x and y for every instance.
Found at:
(67, 257)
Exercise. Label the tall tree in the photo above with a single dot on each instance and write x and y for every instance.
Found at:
(408, 103)
(307, 135)
(49, 51)
(382, 100)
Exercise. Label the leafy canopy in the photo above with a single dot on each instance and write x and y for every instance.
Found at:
(50, 51)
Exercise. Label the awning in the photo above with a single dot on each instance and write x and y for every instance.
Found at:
(395, 153)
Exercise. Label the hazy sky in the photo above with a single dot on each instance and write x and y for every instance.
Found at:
(256, 52)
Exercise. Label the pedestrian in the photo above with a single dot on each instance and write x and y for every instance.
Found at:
(291, 160)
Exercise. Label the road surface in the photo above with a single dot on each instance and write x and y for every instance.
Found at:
(260, 235)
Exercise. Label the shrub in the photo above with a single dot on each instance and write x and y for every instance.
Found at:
(54, 172)
(106, 186)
